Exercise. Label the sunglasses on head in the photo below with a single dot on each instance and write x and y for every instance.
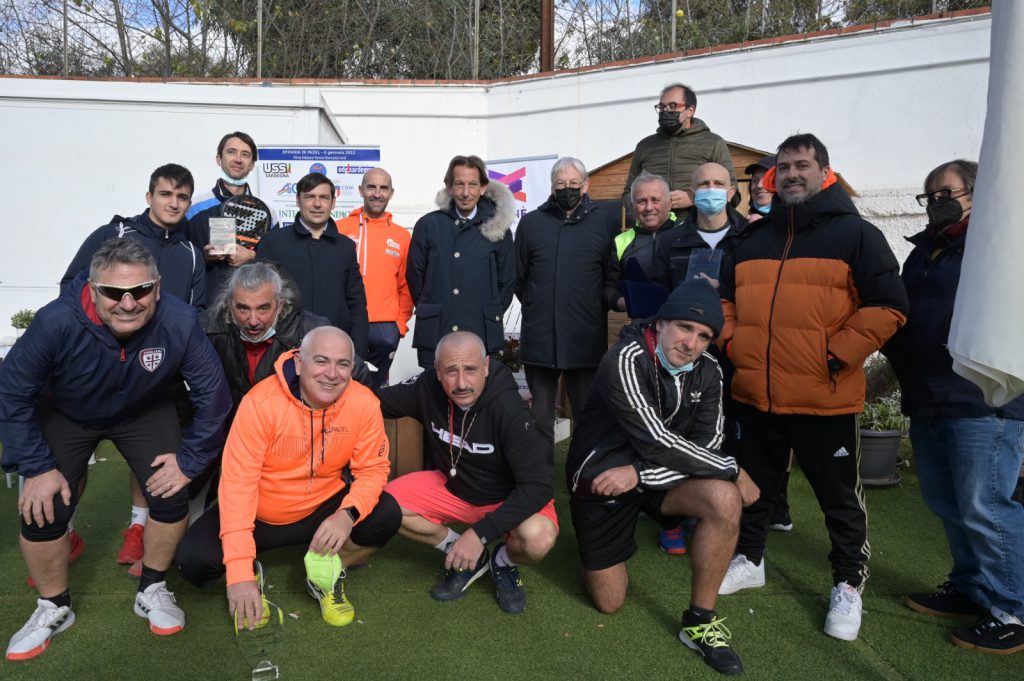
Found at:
(117, 293)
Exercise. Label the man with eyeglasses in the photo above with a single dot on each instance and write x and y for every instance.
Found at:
(461, 269)
(681, 144)
(811, 293)
(561, 266)
(102, 362)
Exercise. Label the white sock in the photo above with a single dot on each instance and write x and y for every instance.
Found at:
(139, 515)
(1005, 617)
(501, 558)
(447, 542)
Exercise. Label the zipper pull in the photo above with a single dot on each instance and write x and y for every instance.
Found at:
(122, 353)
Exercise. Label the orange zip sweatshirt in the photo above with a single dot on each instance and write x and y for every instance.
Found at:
(382, 248)
(283, 459)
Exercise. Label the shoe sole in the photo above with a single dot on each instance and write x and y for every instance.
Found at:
(959, 643)
(925, 610)
(673, 552)
(779, 527)
(479, 573)
(756, 585)
(41, 648)
(685, 640)
(159, 631)
(841, 634)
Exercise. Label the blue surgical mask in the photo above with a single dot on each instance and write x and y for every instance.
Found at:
(710, 201)
(267, 335)
(765, 209)
(232, 181)
(674, 370)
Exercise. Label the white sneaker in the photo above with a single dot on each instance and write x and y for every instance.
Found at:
(742, 574)
(843, 621)
(34, 637)
(157, 605)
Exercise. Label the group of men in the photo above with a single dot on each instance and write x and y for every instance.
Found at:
(752, 350)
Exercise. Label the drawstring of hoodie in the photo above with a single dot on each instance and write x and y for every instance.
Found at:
(312, 444)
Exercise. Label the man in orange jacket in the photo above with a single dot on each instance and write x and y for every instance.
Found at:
(305, 463)
(382, 248)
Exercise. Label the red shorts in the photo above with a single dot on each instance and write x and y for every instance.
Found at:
(424, 493)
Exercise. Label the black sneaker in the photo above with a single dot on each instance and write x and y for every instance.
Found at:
(990, 636)
(946, 602)
(455, 582)
(711, 640)
(508, 587)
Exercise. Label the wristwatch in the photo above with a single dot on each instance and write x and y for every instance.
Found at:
(353, 512)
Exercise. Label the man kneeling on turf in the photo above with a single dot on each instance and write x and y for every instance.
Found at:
(305, 462)
(493, 471)
(648, 440)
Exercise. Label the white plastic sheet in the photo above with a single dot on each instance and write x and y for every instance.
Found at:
(986, 339)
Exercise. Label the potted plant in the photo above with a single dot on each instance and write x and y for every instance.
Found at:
(882, 425)
(21, 319)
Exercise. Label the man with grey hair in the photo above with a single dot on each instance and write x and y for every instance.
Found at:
(102, 362)
(561, 272)
(649, 195)
(305, 464)
(490, 469)
(681, 143)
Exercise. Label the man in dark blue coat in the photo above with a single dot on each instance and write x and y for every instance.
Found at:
(561, 267)
(102, 362)
(461, 270)
(321, 261)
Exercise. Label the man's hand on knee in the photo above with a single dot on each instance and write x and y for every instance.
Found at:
(465, 552)
(615, 481)
(36, 500)
(749, 491)
(168, 479)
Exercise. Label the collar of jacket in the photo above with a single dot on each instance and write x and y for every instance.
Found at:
(696, 125)
(301, 231)
(222, 193)
(688, 227)
(143, 224)
(582, 209)
(360, 213)
(830, 202)
(495, 214)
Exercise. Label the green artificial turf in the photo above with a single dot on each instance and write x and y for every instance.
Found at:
(401, 633)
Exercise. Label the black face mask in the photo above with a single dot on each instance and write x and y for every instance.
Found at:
(944, 212)
(568, 198)
(669, 121)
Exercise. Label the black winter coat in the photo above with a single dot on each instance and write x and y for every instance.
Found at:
(327, 273)
(562, 267)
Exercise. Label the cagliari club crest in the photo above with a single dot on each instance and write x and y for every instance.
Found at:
(151, 358)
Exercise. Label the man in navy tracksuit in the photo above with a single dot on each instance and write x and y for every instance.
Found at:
(101, 362)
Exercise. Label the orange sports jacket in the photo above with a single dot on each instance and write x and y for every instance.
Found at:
(283, 459)
(382, 248)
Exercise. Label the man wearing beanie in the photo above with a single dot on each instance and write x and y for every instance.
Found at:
(649, 440)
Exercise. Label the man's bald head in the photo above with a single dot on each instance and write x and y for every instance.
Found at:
(462, 366)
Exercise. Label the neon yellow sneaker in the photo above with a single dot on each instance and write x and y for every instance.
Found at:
(260, 579)
(325, 581)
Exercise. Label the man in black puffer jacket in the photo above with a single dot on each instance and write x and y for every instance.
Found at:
(648, 440)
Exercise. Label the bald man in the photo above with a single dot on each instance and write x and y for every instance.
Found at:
(492, 470)
(327, 493)
(382, 247)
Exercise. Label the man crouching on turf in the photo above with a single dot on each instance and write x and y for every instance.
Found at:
(305, 463)
(493, 471)
(648, 440)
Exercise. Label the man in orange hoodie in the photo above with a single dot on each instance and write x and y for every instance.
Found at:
(382, 247)
(306, 462)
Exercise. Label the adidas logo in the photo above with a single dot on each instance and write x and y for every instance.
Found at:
(841, 452)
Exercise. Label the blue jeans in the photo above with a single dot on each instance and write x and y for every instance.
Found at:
(968, 468)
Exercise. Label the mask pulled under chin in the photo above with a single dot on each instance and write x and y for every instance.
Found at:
(669, 121)
(667, 366)
(232, 181)
(267, 335)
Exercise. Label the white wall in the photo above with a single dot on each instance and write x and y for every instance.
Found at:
(890, 105)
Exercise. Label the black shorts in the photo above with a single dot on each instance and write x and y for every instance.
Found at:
(605, 529)
(140, 439)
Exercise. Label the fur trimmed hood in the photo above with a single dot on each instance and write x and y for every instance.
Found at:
(495, 225)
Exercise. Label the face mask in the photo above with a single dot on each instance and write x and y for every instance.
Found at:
(669, 121)
(232, 181)
(765, 209)
(568, 198)
(710, 201)
(267, 335)
(944, 212)
(674, 370)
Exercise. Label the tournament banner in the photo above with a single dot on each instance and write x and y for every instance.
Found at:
(529, 180)
(280, 169)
